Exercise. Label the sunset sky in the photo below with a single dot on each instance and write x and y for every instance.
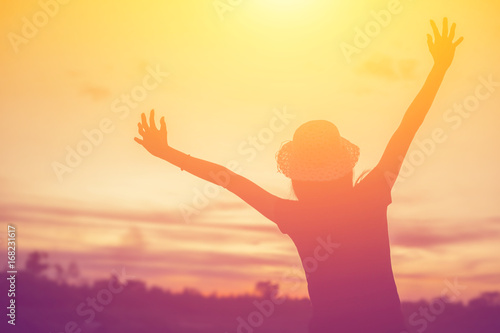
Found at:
(223, 80)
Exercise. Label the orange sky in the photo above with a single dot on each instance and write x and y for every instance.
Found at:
(229, 75)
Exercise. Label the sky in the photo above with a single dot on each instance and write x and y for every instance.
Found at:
(234, 82)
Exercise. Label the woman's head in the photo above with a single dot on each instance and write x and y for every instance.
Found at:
(318, 160)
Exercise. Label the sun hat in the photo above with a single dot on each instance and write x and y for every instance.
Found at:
(317, 153)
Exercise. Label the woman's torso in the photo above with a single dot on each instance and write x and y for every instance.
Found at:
(344, 248)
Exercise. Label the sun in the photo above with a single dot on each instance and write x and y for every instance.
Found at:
(284, 4)
(284, 10)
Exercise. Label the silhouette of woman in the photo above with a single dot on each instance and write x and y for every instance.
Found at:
(339, 228)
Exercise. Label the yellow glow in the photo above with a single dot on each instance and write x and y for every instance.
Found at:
(229, 71)
(284, 4)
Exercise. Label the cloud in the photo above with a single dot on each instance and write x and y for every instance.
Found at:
(389, 68)
(134, 239)
(29, 211)
(104, 260)
(170, 225)
(133, 232)
(422, 235)
(108, 217)
(96, 92)
(159, 245)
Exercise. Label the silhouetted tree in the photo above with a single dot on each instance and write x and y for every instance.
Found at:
(73, 270)
(266, 289)
(50, 305)
(60, 276)
(34, 264)
(488, 299)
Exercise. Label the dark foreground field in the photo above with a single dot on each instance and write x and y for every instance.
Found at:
(49, 305)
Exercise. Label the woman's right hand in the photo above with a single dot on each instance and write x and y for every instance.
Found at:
(442, 47)
(153, 139)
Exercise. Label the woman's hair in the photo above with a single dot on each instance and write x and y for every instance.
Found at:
(320, 190)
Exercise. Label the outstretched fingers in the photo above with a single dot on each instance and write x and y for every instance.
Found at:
(458, 41)
(452, 36)
(149, 133)
(163, 126)
(141, 130)
(429, 41)
(452, 32)
(152, 123)
(144, 122)
(435, 29)
(445, 27)
(446, 35)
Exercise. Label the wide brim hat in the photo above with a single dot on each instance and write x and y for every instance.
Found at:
(317, 153)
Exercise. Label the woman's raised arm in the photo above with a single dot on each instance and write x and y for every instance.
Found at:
(155, 141)
(442, 49)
